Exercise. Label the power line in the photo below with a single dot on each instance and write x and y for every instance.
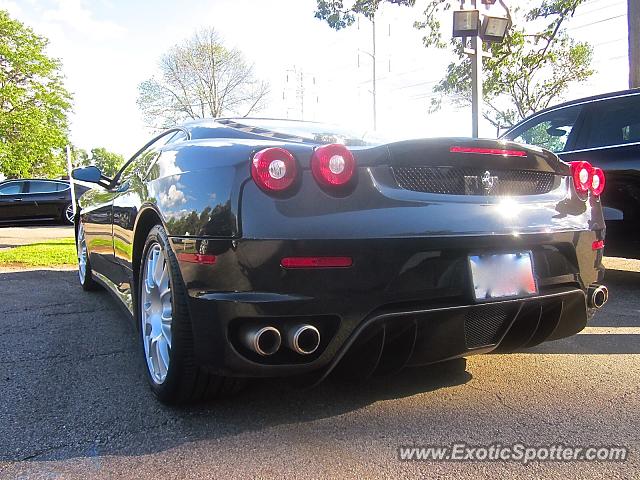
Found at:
(589, 12)
(597, 21)
(609, 42)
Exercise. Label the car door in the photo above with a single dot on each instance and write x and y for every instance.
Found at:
(12, 196)
(44, 198)
(129, 195)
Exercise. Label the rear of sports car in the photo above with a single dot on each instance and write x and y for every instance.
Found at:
(368, 259)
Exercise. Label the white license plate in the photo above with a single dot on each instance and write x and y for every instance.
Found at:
(506, 275)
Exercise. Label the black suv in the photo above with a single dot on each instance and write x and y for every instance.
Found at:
(31, 200)
(603, 130)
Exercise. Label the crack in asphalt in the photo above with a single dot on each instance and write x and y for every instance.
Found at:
(63, 314)
(60, 356)
(42, 451)
(34, 307)
(503, 402)
(39, 325)
(84, 445)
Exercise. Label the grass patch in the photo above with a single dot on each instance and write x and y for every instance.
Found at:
(54, 253)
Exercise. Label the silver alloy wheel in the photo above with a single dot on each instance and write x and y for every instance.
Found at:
(82, 255)
(68, 213)
(156, 312)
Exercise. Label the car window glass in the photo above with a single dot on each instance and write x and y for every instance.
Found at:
(143, 161)
(42, 187)
(61, 187)
(180, 136)
(11, 188)
(551, 130)
(615, 122)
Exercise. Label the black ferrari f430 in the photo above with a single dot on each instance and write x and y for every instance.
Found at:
(266, 248)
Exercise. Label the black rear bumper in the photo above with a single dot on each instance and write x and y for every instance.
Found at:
(417, 291)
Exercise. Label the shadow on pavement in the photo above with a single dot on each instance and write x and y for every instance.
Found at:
(73, 384)
(72, 381)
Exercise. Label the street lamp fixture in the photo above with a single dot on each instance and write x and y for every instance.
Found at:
(494, 29)
(466, 23)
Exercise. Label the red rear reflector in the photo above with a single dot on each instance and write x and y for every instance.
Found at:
(597, 181)
(597, 245)
(489, 151)
(316, 262)
(197, 258)
(582, 173)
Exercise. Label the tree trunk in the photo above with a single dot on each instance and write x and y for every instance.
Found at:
(634, 43)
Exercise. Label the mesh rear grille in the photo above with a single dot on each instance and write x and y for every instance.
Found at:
(473, 181)
(484, 325)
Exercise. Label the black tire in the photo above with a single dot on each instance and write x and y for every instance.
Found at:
(87, 282)
(185, 381)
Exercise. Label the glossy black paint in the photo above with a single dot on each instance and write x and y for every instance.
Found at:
(409, 249)
(619, 160)
(27, 205)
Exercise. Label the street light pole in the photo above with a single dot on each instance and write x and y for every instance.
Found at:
(476, 82)
(466, 24)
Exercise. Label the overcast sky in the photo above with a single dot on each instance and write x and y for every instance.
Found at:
(109, 46)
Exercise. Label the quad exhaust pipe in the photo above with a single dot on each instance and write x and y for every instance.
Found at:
(597, 296)
(303, 339)
(264, 341)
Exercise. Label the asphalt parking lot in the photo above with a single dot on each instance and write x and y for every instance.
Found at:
(73, 403)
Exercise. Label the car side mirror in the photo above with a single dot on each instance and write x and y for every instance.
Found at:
(91, 174)
(556, 132)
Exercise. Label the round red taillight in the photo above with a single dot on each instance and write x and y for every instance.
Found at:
(274, 169)
(597, 181)
(333, 165)
(582, 176)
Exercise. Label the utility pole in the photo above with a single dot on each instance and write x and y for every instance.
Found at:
(301, 94)
(633, 15)
(372, 54)
(373, 57)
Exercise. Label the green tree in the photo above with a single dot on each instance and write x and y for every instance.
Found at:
(108, 162)
(530, 70)
(79, 157)
(33, 104)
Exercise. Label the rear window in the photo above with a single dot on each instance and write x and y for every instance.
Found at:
(40, 186)
(291, 130)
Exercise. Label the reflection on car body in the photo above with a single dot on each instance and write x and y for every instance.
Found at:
(33, 200)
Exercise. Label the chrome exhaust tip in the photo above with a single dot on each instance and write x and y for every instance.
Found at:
(598, 295)
(264, 341)
(303, 339)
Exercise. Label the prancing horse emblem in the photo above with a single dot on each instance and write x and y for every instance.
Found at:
(488, 182)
